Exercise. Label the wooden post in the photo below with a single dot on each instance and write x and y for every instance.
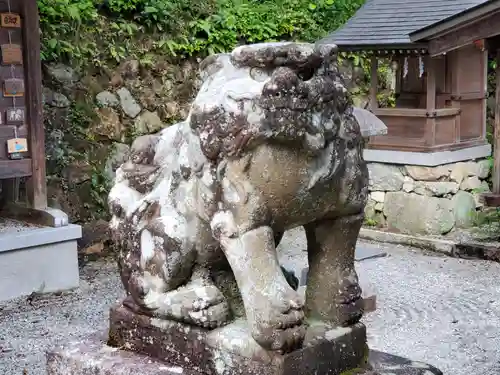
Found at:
(455, 89)
(399, 75)
(496, 161)
(431, 84)
(374, 83)
(430, 130)
(36, 184)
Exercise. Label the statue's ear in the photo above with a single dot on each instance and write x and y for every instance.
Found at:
(369, 124)
(212, 64)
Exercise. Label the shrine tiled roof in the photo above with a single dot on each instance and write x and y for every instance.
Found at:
(388, 23)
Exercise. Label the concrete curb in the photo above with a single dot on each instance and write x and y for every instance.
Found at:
(428, 243)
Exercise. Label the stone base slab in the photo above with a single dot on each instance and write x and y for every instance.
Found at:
(388, 364)
(231, 349)
(93, 356)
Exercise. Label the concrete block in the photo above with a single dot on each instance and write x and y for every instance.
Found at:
(40, 260)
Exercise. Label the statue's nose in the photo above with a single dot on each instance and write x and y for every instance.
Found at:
(283, 80)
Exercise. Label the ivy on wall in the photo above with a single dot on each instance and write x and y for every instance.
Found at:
(76, 30)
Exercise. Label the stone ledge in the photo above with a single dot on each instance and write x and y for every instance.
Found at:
(48, 217)
(423, 242)
(478, 250)
(427, 159)
(38, 237)
(456, 249)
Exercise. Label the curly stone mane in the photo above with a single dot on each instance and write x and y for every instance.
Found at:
(287, 93)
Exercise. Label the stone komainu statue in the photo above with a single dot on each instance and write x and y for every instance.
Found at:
(270, 143)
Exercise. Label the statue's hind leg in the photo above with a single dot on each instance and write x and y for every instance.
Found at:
(164, 280)
(333, 294)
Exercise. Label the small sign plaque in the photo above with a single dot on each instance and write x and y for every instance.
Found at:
(15, 115)
(13, 87)
(12, 54)
(10, 20)
(17, 145)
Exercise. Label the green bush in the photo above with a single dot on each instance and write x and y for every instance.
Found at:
(97, 31)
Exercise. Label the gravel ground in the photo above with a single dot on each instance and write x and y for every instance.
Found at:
(439, 310)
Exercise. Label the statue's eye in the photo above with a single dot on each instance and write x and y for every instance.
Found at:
(306, 74)
(258, 74)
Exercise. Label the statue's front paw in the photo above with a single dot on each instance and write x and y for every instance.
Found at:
(210, 310)
(197, 303)
(279, 327)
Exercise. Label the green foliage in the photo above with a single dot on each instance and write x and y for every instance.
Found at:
(100, 31)
(61, 154)
(371, 222)
(487, 225)
(100, 185)
(63, 22)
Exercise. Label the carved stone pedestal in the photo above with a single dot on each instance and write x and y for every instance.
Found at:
(138, 345)
(231, 349)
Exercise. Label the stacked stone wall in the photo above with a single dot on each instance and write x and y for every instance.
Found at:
(426, 200)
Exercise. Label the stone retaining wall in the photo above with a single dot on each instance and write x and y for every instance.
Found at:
(426, 200)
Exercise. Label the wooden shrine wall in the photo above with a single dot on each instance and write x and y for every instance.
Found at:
(14, 129)
(469, 80)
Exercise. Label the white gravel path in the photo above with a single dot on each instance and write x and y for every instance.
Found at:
(439, 310)
(435, 309)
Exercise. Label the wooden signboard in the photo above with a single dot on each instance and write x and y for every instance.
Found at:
(12, 54)
(15, 116)
(13, 87)
(10, 20)
(21, 103)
